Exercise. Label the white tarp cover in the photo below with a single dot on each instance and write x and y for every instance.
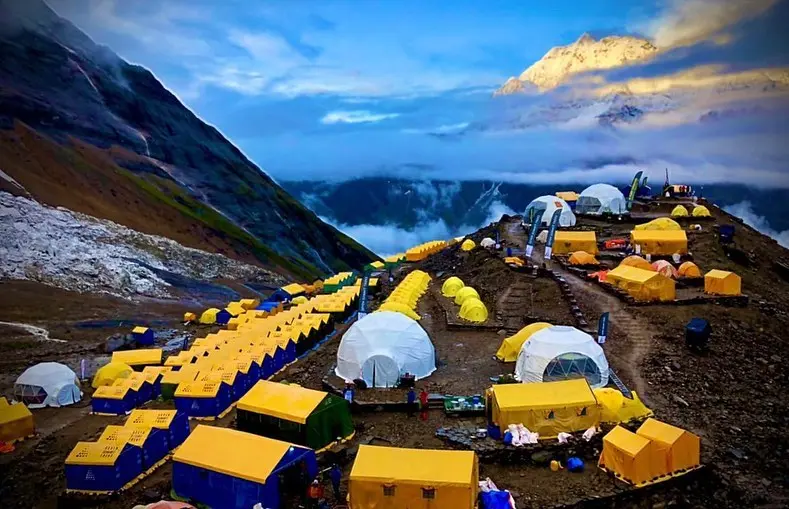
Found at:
(577, 353)
(548, 204)
(599, 199)
(59, 384)
(382, 346)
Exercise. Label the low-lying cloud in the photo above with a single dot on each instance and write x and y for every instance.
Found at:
(744, 210)
(356, 117)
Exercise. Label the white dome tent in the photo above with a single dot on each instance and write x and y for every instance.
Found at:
(487, 242)
(601, 199)
(549, 204)
(561, 352)
(381, 347)
(47, 384)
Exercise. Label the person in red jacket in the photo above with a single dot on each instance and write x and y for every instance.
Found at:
(423, 403)
(315, 493)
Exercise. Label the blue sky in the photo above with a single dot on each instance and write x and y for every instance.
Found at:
(335, 89)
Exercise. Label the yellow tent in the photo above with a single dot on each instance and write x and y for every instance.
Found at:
(689, 270)
(293, 289)
(301, 299)
(659, 242)
(630, 457)
(249, 303)
(398, 307)
(451, 286)
(513, 260)
(616, 408)
(511, 346)
(468, 245)
(661, 223)
(546, 407)
(567, 242)
(679, 211)
(582, 258)
(235, 308)
(16, 421)
(107, 374)
(209, 316)
(701, 211)
(143, 357)
(397, 477)
(679, 449)
(288, 402)
(638, 262)
(721, 282)
(473, 310)
(642, 285)
(190, 317)
(464, 293)
(567, 196)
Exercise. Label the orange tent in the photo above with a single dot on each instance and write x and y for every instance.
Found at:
(689, 270)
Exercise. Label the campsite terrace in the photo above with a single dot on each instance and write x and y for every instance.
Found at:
(742, 427)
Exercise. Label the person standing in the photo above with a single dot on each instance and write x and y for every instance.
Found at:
(423, 403)
(314, 494)
(335, 474)
(348, 393)
(411, 400)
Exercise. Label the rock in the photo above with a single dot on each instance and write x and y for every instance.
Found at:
(775, 358)
(501, 332)
(679, 400)
(542, 457)
(737, 453)
(151, 495)
(675, 366)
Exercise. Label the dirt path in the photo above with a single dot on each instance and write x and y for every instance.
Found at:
(514, 303)
(513, 232)
(38, 332)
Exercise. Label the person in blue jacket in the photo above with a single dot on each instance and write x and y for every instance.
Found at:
(335, 474)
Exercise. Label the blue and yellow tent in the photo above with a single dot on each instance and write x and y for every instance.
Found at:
(203, 399)
(102, 467)
(113, 400)
(175, 423)
(152, 442)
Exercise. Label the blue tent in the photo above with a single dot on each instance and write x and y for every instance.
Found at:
(203, 399)
(223, 316)
(174, 423)
(152, 442)
(268, 306)
(143, 336)
(229, 469)
(697, 333)
(102, 466)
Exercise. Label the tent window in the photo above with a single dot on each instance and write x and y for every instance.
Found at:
(551, 415)
(582, 412)
(389, 490)
(429, 493)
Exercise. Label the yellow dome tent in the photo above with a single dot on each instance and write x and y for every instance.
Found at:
(721, 282)
(511, 346)
(473, 310)
(190, 317)
(301, 299)
(582, 258)
(398, 307)
(615, 408)
(679, 211)
(661, 223)
(689, 270)
(451, 286)
(464, 293)
(638, 262)
(468, 245)
(701, 211)
(209, 316)
(665, 268)
(107, 374)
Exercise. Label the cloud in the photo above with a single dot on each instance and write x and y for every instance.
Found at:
(744, 210)
(688, 22)
(356, 117)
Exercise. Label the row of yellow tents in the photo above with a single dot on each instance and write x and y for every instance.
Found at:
(698, 211)
(472, 308)
(406, 295)
(422, 251)
(653, 241)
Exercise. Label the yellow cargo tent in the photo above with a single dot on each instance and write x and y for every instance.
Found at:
(16, 421)
(568, 196)
(661, 223)
(249, 303)
(511, 346)
(616, 408)
(582, 258)
(630, 457)
(235, 308)
(451, 286)
(701, 211)
(642, 285)
(721, 282)
(638, 262)
(680, 449)
(209, 316)
(689, 270)
(142, 357)
(659, 242)
(679, 211)
(473, 310)
(108, 373)
(468, 245)
(547, 408)
(465, 293)
(415, 478)
(422, 251)
(569, 242)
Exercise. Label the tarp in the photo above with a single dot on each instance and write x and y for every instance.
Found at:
(382, 346)
(451, 286)
(659, 242)
(701, 211)
(511, 346)
(473, 310)
(559, 352)
(638, 262)
(47, 384)
(679, 211)
(721, 282)
(665, 268)
(689, 270)
(549, 204)
(616, 408)
(569, 242)
(108, 373)
(642, 285)
(582, 258)
(661, 223)
(547, 408)
(600, 199)
(680, 449)
(16, 421)
(630, 457)
(399, 477)
(468, 245)
(288, 402)
(465, 293)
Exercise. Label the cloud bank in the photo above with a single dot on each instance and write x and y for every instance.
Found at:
(744, 210)
(355, 117)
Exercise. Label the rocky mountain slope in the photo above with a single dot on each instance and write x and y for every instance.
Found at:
(585, 54)
(83, 129)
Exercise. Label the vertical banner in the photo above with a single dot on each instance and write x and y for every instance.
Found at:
(552, 232)
(363, 294)
(536, 220)
(82, 369)
(633, 189)
(602, 328)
